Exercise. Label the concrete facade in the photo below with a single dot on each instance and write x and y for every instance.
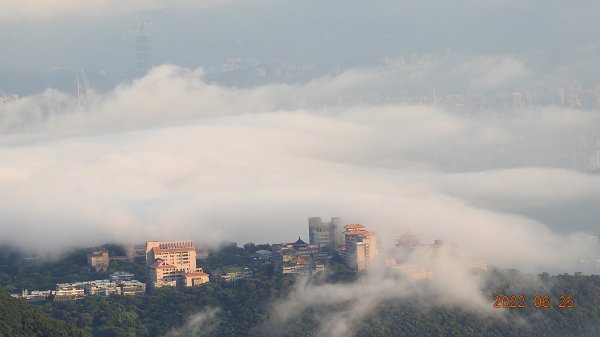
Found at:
(360, 247)
(173, 264)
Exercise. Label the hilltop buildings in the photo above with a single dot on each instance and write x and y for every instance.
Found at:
(298, 258)
(134, 252)
(420, 261)
(173, 264)
(99, 259)
(360, 247)
(325, 234)
(120, 283)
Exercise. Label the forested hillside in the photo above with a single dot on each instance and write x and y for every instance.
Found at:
(20, 319)
(246, 308)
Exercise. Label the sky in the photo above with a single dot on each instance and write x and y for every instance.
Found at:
(258, 114)
(43, 42)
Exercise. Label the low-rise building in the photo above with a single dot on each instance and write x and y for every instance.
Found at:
(134, 252)
(99, 259)
(101, 288)
(121, 283)
(232, 274)
(69, 291)
(121, 276)
(263, 257)
(33, 295)
(132, 288)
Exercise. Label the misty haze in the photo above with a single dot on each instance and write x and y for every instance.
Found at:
(171, 168)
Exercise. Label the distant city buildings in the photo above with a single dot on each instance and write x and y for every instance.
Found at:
(173, 264)
(99, 259)
(7, 97)
(142, 48)
(298, 258)
(360, 247)
(83, 84)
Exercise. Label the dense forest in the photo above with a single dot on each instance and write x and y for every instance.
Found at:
(20, 319)
(246, 308)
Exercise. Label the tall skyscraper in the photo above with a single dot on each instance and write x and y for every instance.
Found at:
(360, 247)
(142, 48)
(82, 86)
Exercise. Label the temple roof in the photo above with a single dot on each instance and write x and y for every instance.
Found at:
(300, 260)
(300, 242)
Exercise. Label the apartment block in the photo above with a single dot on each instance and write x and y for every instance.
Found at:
(173, 263)
(360, 247)
(99, 259)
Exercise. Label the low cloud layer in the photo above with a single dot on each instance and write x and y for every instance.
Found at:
(200, 324)
(214, 163)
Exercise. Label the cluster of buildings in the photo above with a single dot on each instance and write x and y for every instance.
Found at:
(120, 283)
(99, 259)
(356, 244)
(573, 96)
(298, 258)
(420, 261)
(232, 274)
(173, 263)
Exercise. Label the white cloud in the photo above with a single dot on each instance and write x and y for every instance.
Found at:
(214, 163)
(200, 324)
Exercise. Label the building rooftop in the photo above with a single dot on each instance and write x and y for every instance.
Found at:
(176, 245)
(300, 242)
(196, 273)
(357, 232)
(300, 260)
(166, 250)
(160, 264)
(263, 252)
